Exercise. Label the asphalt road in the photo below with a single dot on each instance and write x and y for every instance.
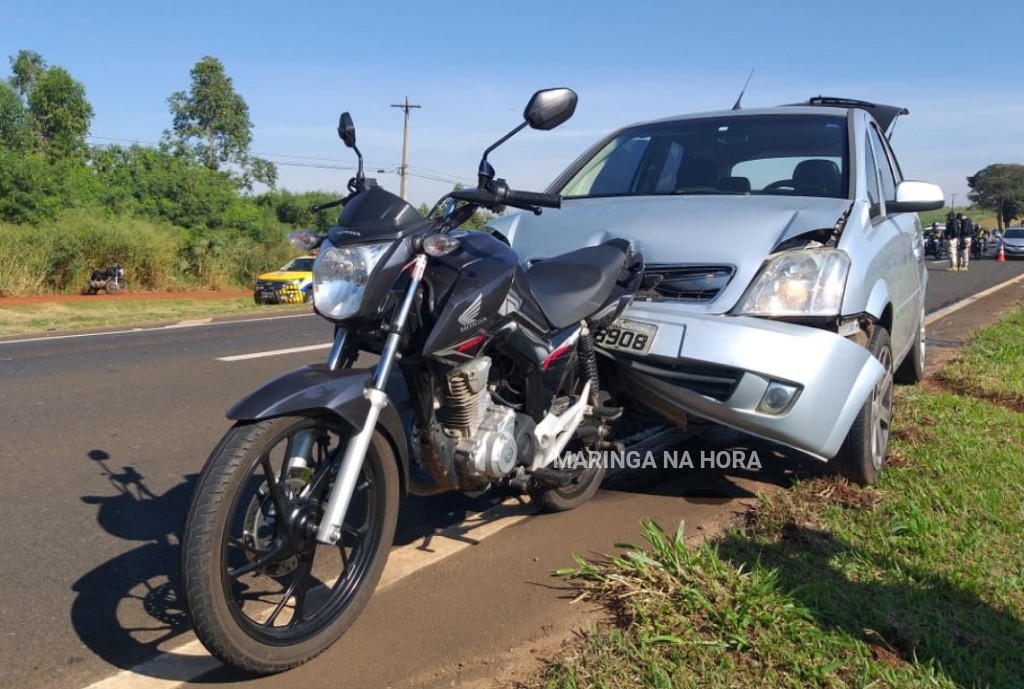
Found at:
(103, 437)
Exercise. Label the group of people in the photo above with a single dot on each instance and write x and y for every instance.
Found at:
(959, 234)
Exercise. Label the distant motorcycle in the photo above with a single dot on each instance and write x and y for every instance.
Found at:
(978, 246)
(110, 280)
(935, 246)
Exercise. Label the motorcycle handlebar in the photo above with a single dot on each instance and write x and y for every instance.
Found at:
(532, 198)
(316, 208)
(505, 196)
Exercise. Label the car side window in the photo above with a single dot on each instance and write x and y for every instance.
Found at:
(885, 171)
(611, 172)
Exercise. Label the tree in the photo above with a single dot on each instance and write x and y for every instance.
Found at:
(211, 123)
(60, 113)
(998, 187)
(51, 114)
(27, 67)
(15, 126)
(1012, 208)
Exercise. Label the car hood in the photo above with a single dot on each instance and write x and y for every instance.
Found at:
(738, 231)
(284, 276)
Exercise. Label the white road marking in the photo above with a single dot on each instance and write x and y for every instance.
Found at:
(190, 660)
(942, 313)
(275, 352)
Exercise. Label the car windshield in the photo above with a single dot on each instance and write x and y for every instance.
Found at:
(804, 155)
(299, 265)
(1014, 233)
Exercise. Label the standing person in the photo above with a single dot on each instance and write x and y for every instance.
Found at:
(966, 233)
(952, 237)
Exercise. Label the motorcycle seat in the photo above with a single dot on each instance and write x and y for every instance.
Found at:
(572, 286)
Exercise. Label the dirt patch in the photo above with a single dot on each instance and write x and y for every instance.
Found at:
(11, 302)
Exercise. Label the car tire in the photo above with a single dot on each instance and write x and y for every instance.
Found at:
(863, 453)
(911, 371)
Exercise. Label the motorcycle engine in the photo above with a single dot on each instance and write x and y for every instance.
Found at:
(474, 433)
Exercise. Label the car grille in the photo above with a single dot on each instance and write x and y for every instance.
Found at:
(716, 382)
(279, 292)
(687, 282)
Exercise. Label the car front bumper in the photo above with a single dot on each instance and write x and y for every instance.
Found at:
(279, 294)
(720, 367)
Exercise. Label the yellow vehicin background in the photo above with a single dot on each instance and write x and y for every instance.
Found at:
(292, 284)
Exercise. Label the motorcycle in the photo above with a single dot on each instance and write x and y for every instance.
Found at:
(486, 375)
(111, 280)
(979, 245)
(935, 246)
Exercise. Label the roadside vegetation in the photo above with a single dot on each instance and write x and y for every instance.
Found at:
(917, 582)
(196, 211)
(118, 312)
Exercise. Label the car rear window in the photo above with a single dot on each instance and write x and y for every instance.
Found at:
(762, 154)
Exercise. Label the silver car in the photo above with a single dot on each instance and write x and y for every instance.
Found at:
(1012, 242)
(785, 278)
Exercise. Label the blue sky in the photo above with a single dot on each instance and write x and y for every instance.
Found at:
(473, 65)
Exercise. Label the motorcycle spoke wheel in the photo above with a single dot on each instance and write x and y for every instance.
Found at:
(262, 593)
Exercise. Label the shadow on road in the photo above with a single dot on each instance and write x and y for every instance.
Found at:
(140, 584)
(127, 610)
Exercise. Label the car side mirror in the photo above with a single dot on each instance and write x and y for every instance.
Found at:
(915, 197)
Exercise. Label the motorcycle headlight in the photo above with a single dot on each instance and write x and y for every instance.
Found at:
(340, 274)
(805, 282)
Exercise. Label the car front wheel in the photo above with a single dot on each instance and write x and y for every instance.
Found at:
(911, 371)
(863, 453)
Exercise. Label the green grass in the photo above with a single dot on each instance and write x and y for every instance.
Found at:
(115, 312)
(991, 367)
(918, 582)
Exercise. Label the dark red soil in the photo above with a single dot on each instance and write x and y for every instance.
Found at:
(71, 298)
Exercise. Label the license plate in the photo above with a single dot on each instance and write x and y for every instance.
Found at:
(625, 335)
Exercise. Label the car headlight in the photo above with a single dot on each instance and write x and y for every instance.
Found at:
(340, 274)
(805, 282)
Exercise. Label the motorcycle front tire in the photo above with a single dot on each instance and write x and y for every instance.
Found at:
(264, 597)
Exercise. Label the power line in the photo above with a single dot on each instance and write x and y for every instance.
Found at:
(315, 162)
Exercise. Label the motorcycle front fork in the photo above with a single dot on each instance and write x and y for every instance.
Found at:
(344, 486)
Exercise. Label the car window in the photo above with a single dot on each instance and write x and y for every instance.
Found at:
(300, 265)
(758, 154)
(764, 171)
(1012, 233)
(885, 171)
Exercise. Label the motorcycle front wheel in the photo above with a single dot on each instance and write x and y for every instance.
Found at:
(262, 594)
(113, 287)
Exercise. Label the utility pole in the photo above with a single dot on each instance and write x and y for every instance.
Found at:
(405, 140)
(952, 202)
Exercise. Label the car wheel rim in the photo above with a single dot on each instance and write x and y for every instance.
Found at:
(881, 411)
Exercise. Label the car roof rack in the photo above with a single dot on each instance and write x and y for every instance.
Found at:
(884, 114)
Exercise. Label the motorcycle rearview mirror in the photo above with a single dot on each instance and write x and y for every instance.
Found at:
(549, 108)
(304, 239)
(347, 130)
(546, 110)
